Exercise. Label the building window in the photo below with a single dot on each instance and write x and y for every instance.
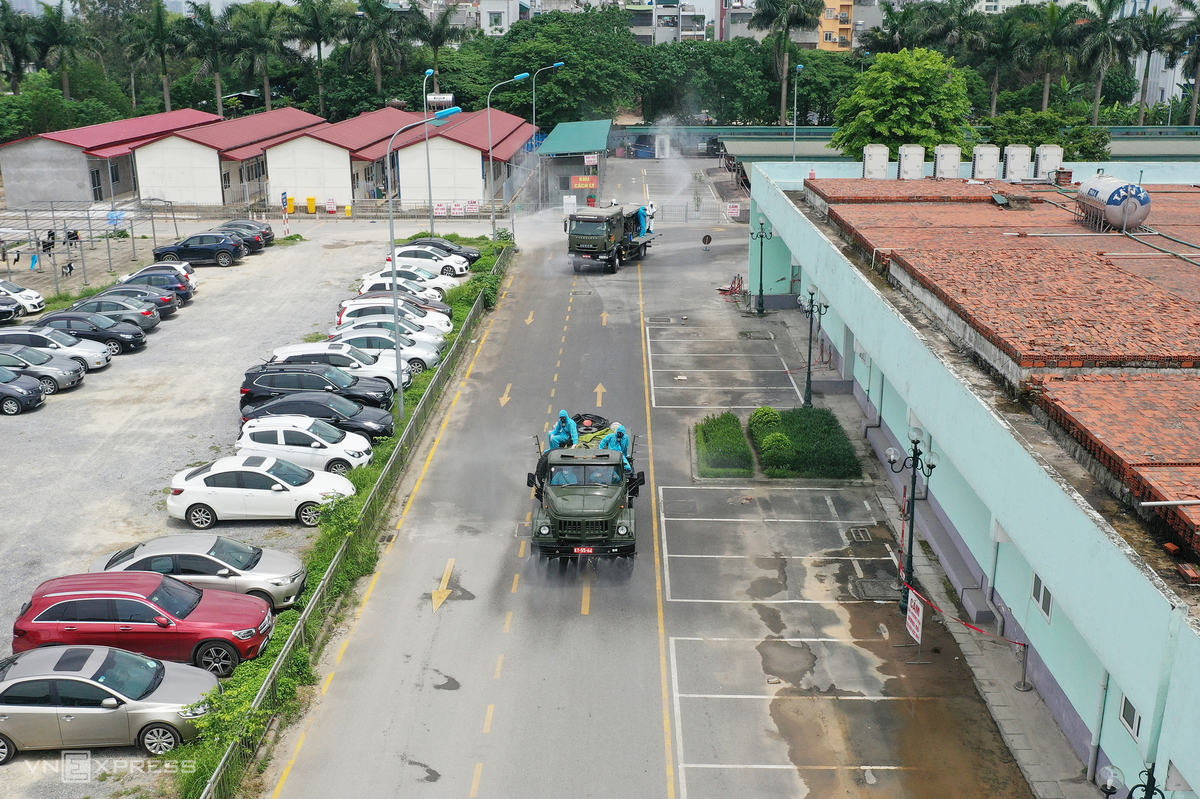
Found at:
(1130, 717)
(830, 13)
(496, 19)
(114, 173)
(1041, 595)
(225, 181)
(369, 173)
(829, 36)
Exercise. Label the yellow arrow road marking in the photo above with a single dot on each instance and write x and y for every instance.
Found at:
(600, 389)
(442, 592)
(586, 608)
(504, 399)
(529, 319)
(604, 318)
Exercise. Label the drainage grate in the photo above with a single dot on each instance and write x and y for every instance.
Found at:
(756, 335)
(659, 320)
(876, 590)
(579, 293)
(676, 507)
(860, 535)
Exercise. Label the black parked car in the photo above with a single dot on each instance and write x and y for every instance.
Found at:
(344, 414)
(19, 393)
(253, 239)
(117, 336)
(271, 380)
(249, 224)
(9, 308)
(162, 280)
(54, 372)
(166, 301)
(214, 246)
(448, 247)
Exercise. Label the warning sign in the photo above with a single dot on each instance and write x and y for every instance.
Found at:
(457, 209)
(915, 617)
(585, 182)
(734, 210)
(472, 206)
(331, 205)
(440, 209)
(591, 159)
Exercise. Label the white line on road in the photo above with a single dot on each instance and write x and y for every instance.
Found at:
(840, 527)
(784, 557)
(785, 601)
(786, 640)
(678, 720)
(744, 521)
(799, 768)
(814, 697)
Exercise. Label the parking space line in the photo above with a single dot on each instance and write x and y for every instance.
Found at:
(785, 640)
(814, 697)
(743, 521)
(798, 768)
(721, 354)
(729, 388)
(746, 488)
(751, 371)
(777, 601)
(678, 718)
(781, 557)
(841, 528)
(650, 369)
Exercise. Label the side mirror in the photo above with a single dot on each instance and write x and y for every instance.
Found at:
(162, 621)
(316, 445)
(276, 487)
(634, 486)
(223, 572)
(110, 703)
(531, 480)
(329, 388)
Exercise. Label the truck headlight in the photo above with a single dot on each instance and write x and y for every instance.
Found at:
(622, 530)
(544, 530)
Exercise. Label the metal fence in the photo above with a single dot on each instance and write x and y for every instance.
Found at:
(304, 638)
(674, 211)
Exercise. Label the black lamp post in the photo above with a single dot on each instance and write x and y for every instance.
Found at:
(1112, 779)
(813, 311)
(762, 235)
(916, 461)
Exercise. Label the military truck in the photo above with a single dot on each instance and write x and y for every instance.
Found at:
(605, 237)
(585, 501)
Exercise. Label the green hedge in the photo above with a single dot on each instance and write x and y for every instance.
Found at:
(721, 447)
(803, 442)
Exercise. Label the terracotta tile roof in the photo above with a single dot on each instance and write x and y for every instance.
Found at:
(107, 134)
(252, 129)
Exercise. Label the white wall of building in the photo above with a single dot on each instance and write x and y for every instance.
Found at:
(180, 171)
(497, 16)
(457, 171)
(306, 167)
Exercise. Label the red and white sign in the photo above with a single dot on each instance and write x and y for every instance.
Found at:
(734, 210)
(331, 205)
(457, 209)
(585, 182)
(591, 159)
(915, 617)
(440, 209)
(472, 206)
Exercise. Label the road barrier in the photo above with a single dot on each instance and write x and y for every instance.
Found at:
(305, 639)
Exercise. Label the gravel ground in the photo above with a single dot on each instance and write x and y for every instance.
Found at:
(85, 473)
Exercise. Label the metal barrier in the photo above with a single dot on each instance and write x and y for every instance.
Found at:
(302, 641)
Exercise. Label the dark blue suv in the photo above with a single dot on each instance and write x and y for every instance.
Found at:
(212, 246)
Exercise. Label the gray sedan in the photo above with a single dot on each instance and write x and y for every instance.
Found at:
(78, 697)
(52, 341)
(54, 372)
(121, 309)
(215, 562)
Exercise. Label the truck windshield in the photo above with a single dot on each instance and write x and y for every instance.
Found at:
(603, 476)
(584, 228)
(566, 475)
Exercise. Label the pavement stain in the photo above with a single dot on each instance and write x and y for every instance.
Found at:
(764, 587)
(450, 684)
(789, 662)
(771, 617)
(430, 774)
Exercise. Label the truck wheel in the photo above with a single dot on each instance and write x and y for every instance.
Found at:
(642, 252)
(616, 263)
(576, 268)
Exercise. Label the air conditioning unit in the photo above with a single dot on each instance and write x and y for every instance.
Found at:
(946, 160)
(1049, 158)
(985, 163)
(1017, 160)
(875, 161)
(912, 162)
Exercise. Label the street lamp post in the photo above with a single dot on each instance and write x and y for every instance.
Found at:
(393, 189)
(555, 65)
(1112, 779)
(428, 173)
(813, 311)
(491, 166)
(795, 109)
(916, 461)
(863, 66)
(761, 236)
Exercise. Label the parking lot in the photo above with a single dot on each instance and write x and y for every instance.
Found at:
(710, 367)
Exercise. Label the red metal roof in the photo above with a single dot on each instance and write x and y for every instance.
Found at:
(509, 134)
(108, 134)
(367, 128)
(257, 148)
(243, 131)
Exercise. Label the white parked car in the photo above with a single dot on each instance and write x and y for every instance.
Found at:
(182, 268)
(304, 441)
(343, 356)
(404, 326)
(252, 487)
(418, 290)
(52, 341)
(373, 306)
(417, 275)
(430, 258)
(382, 343)
(29, 300)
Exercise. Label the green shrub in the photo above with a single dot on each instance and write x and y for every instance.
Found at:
(818, 444)
(763, 421)
(721, 447)
(777, 451)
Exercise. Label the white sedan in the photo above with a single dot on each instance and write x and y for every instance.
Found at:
(404, 325)
(419, 290)
(431, 258)
(30, 300)
(416, 274)
(252, 487)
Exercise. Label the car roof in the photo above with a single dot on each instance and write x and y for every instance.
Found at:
(44, 662)
(186, 542)
(133, 583)
(276, 366)
(242, 461)
(66, 315)
(315, 346)
(300, 396)
(295, 421)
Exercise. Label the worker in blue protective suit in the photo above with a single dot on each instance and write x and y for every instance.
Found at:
(642, 220)
(564, 475)
(565, 433)
(618, 440)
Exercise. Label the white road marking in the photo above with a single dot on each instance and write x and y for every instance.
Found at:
(814, 697)
(840, 527)
(795, 767)
(756, 521)
(784, 557)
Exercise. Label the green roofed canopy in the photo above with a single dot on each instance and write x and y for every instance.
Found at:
(569, 138)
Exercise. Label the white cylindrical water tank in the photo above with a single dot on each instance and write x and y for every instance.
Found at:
(1116, 202)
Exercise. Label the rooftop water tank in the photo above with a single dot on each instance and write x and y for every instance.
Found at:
(1108, 201)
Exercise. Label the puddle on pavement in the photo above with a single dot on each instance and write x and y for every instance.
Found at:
(767, 587)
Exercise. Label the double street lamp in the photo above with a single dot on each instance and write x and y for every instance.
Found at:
(814, 310)
(761, 236)
(1112, 779)
(555, 65)
(428, 173)
(916, 461)
(795, 108)
(491, 167)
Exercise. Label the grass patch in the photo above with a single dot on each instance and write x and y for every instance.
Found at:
(288, 241)
(65, 299)
(721, 447)
(803, 442)
(313, 338)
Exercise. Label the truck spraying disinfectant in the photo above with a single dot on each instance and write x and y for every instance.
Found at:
(608, 237)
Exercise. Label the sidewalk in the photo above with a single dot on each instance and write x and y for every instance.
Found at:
(1042, 752)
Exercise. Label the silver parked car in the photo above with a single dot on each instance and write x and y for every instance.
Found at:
(215, 562)
(121, 309)
(73, 697)
(52, 341)
(54, 372)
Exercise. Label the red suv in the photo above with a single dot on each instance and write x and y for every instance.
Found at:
(149, 613)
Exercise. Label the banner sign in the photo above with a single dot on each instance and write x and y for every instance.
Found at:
(585, 182)
(591, 159)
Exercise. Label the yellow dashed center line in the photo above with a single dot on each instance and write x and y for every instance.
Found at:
(487, 720)
(521, 553)
(329, 679)
(586, 608)
(499, 665)
(475, 780)
(516, 582)
(555, 389)
(508, 618)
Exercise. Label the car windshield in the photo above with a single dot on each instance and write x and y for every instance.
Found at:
(361, 356)
(6, 376)
(122, 556)
(33, 356)
(425, 273)
(59, 337)
(128, 674)
(587, 228)
(405, 341)
(175, 597)
(326, 432)
(339, 378)
(290, 473)
(10, 286)
(342, 405)
(235, 553)
(102, 322)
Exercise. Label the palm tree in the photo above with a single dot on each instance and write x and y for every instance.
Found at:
(316, 23)
(374, 36)
(154, 36)
(1056, 35)
(58, 36)
(903, 27)
(1104, 42)
(781, 17)
(260, 35)
(1152, 32)
(17, 48)
(208, 38)
(436, 32)
(956, 22)
(1192, 60)
(1007, 45)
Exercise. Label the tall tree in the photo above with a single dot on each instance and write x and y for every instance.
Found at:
(901, 27)
(1054, 41)
(17, 44)
(154, 36)
(58, 37)
(1007, 46)
(1190, 54)
(315, 23)
(781, 17)
(208, 38)
(1104, 41)
(260, 37)
(1152, 31)
(953, 23)
(436, 32)
(374, 38)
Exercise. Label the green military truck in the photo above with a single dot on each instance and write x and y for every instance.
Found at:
(605, 237)
(585, 501)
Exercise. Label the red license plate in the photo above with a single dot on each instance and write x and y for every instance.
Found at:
(583, 550)
(587, 256)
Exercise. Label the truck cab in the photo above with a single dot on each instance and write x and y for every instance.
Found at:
(586, 503)
(605, 237)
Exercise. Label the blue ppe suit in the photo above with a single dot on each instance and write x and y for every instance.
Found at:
(565, 433)
(618, 440)
(642, 220)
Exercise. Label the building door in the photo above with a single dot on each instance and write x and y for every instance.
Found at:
(97, 189)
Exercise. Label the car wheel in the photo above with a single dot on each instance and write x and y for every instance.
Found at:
(158, 739)
(448, 271)
(7, 750)
(218, 657)
(416, 366)
(82, 363)
(170, 256)
(224, 259)
(201, 517)
(441, 293)
(10, 407)
(114, 347)
(264, 596)
(49, 386)
(337, 467)
(309, 514)
(21, 311)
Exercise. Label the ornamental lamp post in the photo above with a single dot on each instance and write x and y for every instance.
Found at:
(814, 310)
(762, 235)
(491, 166)
(1111, 780)
(555, 65)
(916, 461)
